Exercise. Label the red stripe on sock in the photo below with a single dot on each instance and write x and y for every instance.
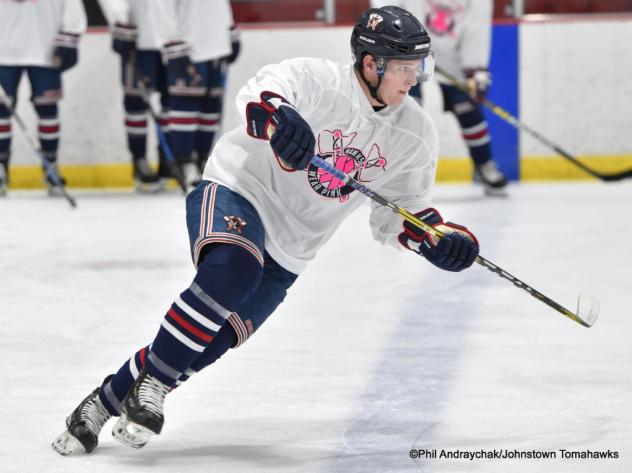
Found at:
(141, 354)
(188, 327)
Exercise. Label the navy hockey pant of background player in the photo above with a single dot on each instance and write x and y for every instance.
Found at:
(45, 93)
(236, 288)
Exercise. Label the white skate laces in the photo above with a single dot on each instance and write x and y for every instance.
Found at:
(94, 414)
(151, 394)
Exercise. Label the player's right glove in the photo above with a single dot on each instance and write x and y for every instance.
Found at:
(456, 251)
(291, 137)
(124, 39)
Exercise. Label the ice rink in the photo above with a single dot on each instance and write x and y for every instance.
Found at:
(375, 352)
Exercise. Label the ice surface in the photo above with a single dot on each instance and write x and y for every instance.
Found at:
(374, 352)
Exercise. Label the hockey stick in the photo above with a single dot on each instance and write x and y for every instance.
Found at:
(512, 120)
(50, 172)
(587, 306)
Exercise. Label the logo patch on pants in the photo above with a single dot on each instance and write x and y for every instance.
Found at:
(234, 223)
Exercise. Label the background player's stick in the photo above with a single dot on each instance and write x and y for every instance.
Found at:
(49, 170)
(587, 306)
(512, 120)
(162, 139)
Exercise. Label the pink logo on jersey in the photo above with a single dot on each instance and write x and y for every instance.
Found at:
(336, 147)
(441, 20)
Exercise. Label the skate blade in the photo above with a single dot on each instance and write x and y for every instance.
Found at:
(65, 444)
(496, 192)
(130, 434)
(55, 191)
(150, 187)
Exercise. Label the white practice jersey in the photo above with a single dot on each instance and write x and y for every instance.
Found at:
(460, 30)
(393, 151)
(203, 24)
(28, 29)
(156, 20)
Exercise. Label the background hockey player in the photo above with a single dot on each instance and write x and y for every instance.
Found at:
(461, 38)
(140, 28)
(196, 70)
(263, 210)
(39, 38)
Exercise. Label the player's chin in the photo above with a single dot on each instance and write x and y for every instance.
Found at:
(398, 98)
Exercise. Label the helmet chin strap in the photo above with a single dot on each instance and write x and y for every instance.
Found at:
(380, 75)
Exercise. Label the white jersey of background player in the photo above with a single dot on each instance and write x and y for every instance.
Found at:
(162, 21)
(261, 193)
(460, 31)
(40, 22)
(461, 38)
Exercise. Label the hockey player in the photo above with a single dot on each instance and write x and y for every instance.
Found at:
(39, 38)
(140, 28)
(196, 69)
(461, 38)
(262, 210)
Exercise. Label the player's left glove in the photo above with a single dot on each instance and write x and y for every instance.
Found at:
(291, 137)
(456, 251)
(65, 53)
(478, 81)
(235, 44)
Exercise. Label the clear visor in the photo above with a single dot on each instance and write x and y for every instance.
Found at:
(420, 69)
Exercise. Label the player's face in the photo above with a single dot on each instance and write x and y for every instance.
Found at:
(399, 77)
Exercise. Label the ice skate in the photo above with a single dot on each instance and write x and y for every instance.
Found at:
(191, 174)
(142, 414)
(492, 179)
(4, 179)
(83, 426)
(145, 179)
(55, 183)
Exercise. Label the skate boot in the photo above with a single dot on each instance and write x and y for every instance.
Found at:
(53, 180)
(145, 179)
(191, 174)
(142, 414)
(83, 426)
(491, 178)
(4, 178)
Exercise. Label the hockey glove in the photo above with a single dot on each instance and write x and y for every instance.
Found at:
(456, 251)
(124, 40)
(291, 137)
(182, 75)
(235, 44)
(478, 81)
(65, 53)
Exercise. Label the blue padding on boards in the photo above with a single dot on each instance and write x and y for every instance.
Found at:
(504, 92)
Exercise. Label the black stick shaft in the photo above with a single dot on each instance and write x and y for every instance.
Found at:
(512, 120)
(406, 215)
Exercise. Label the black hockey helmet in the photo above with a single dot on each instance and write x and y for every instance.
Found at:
(390, 33)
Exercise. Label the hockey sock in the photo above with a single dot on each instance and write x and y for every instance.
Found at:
(227, 276)
(475, 132)
(208, 125)
(114, 390)
(5, 133)
(183, 122)
(136, 125)
(48, 129)
(225, 339)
